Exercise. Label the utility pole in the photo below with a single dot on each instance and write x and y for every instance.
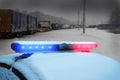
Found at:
(84, 14)
(78, 23)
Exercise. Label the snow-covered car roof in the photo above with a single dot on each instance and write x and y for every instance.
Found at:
(57, 65)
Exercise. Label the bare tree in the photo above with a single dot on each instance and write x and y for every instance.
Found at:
(115, 13)
(115, 16)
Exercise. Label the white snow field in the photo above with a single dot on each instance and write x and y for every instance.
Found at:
(62, 66)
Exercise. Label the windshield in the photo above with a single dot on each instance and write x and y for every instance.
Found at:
(61, 20)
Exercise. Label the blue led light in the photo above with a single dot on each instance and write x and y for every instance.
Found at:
(34, 46)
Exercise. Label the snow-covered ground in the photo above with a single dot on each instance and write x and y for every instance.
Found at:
(100, 64)
(109, 43)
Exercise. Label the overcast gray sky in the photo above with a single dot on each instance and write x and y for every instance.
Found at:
(96, 9)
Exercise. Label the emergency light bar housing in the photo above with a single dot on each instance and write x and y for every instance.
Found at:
(51, 46)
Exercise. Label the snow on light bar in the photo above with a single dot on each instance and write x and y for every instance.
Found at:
(51, 46)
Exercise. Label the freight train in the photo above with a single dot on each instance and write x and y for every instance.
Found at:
(16, 24)
(44, 26)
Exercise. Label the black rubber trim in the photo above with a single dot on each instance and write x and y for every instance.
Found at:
(15, 71)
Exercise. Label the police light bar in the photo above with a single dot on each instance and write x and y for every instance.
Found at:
(34, 46)
(84, 46)
(51, 46)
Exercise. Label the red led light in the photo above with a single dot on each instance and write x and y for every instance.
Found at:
(84, 46)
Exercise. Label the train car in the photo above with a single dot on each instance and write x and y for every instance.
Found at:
(55, 26)
(12, 23)
(31, 24)
(44, 25)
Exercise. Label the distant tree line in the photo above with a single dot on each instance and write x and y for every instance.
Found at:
(52, 19)
(115, 15)
(46, 17)
(113, 25)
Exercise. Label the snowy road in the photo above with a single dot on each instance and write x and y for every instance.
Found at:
(109, 43)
